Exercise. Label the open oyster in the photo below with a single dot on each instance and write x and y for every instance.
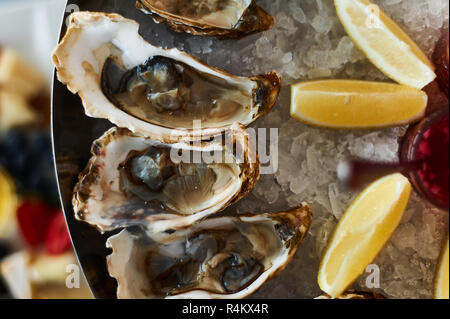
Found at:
(222, 18)
(131, 180)
(155, 92)
(218, 258)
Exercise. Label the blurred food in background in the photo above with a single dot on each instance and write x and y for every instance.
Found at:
(36, 255)
(31, 220)
(20, 82)
(36, 275)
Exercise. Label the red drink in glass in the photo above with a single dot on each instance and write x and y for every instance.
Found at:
(428, 144)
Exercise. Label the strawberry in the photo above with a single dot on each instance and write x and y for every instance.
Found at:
(34, 218)
(58, 238)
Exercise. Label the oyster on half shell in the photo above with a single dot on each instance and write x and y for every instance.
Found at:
(155, 92)
(218, 258)
(221, 18)
(131, 180)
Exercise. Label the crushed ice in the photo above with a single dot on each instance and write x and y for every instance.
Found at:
(308, 42)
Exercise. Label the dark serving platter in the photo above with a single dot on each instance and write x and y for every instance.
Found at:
(73, 133)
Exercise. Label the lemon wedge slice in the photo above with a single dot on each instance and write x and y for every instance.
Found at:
(356, 104)
(384, 43)
(8, 202)
(362, 232)
(441, 282)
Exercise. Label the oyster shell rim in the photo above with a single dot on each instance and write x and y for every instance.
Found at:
(244, 25)
(269, 85)
(91, 176)
(303, 218)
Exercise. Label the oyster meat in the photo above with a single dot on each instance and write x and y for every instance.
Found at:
(131, 180)
(218, 258)
(155, 92)
(221, 18)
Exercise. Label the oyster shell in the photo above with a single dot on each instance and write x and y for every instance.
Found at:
(224, 18)
(218, 258)
(155, 92)
(131, 180)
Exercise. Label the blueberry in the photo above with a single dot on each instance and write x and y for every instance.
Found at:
(32, 180)
(17, 163)
(13, 141)
(28, 156)
(40, 144)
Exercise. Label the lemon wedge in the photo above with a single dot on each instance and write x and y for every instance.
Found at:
(8, 202)
(356, 104)
(362, 232)
(441, 282)
(384, 43)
